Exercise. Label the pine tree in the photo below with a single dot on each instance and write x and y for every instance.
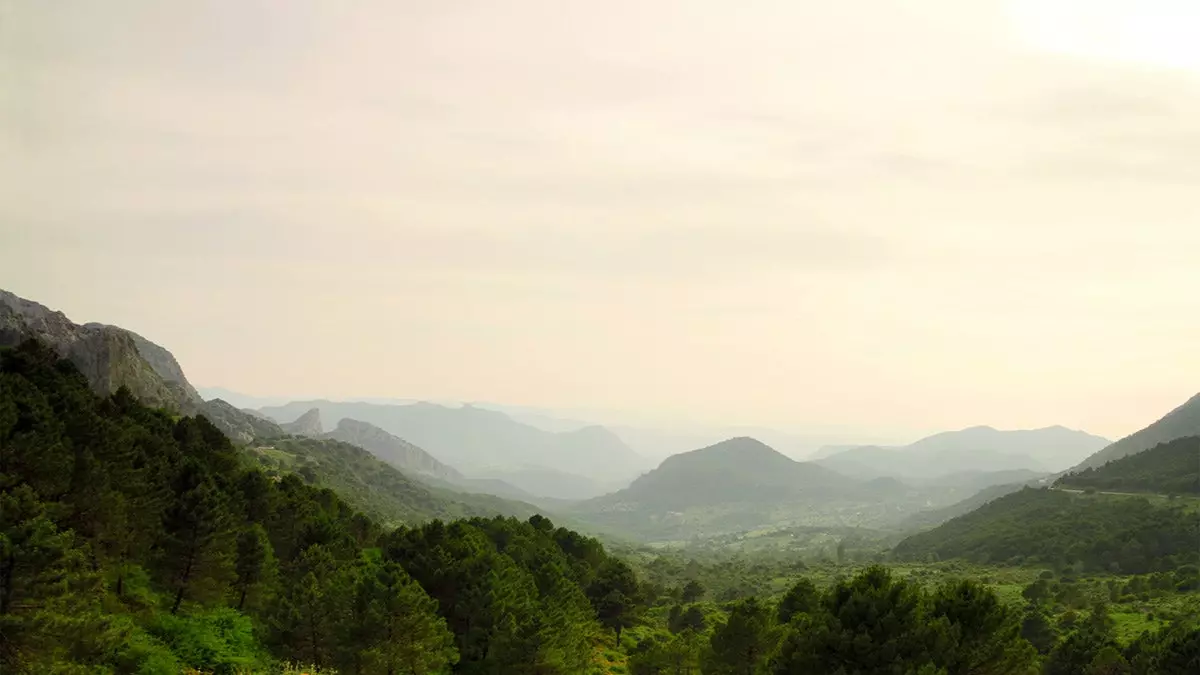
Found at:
(197, 555)
(1037, 629)
(744, 643)
(412, 639)
(802, 598)
(255, 564)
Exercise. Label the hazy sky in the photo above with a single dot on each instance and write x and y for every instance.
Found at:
(894, 216)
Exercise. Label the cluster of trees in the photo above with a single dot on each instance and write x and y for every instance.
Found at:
(876, 623)
(1070, 593)
(1101, 533)
(1167, 468)
(134, 541)
(1085, 643)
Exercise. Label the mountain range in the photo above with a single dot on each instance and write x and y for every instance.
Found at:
(975, 449)
(484, 443)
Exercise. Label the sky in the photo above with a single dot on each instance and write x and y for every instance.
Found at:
(882, 217)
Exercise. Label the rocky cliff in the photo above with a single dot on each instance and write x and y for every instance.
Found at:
(111, 357)
(108, 357)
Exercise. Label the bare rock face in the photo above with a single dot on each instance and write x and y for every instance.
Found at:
(162, 361)
(308, 424)
(109, 357)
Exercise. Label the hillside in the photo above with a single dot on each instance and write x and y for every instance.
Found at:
(931, 517)
(395, 451)
(1052, 527)
(976, 449)
(374, 486)
(1180, 422)
(475, 440)
(1167, 468)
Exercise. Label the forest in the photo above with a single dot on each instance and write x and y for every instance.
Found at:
(133, 540)
(1057, 528)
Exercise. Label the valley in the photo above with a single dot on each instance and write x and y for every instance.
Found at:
(229, 540)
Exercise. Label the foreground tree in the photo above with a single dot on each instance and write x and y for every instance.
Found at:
(875, 624)
(410, 637)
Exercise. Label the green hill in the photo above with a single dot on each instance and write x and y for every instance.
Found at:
(374, 486)
(1052, 527)
(1180, 422)
(1167, 468)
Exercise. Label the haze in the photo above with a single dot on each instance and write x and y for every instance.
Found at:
(893, 217)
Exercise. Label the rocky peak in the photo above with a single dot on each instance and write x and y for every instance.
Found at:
(308, 424)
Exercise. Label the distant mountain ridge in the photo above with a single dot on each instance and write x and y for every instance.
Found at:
(476, 441)
(978, 449)
(391, 449)
(1180, 422)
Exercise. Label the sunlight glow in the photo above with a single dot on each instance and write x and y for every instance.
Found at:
(1146, 32)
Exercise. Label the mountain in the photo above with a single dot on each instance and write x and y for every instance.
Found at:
(976, 449)
(1167, 468)
(738, 484)
(1100, 533)
(107, 356)
(736, 470)
(1180, 422)
(475, 440)
(395, 451)
(308, 424)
